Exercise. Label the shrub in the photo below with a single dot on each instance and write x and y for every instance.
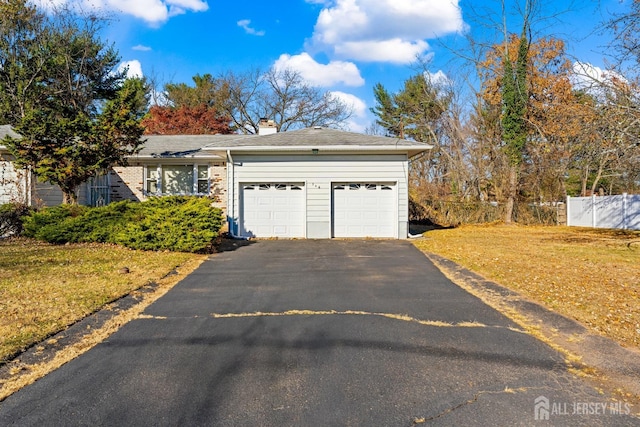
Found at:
(453, 213)
(176, 223)
(11, 218)
(185, 224)
(44, 224)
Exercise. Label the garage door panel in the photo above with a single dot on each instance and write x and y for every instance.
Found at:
(262, 215)
(372, 216)
(364, 209)
(273, 210)
(387, 216)
(355, 216)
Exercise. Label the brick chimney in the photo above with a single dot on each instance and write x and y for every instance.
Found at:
(267, 127)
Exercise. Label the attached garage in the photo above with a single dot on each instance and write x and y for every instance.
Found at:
(364, 209)
(272, 209)
(318, 183)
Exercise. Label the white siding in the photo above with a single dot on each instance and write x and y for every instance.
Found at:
(14, 188)
(46, 194)
(12, 185)
(318, 172)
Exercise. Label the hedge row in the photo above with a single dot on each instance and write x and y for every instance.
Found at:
(175, 223)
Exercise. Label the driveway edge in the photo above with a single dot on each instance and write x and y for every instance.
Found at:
(49, 354)
(599, 358)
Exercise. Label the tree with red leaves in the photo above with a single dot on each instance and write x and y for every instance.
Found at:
(191, 110)
(185, 120)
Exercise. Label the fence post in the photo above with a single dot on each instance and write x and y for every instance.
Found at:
(625, 222)
(594, 214)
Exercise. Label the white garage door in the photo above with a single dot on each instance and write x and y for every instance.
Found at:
(273, 210)
(364, 209)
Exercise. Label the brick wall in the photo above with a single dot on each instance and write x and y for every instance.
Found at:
(127, 183)
(218, 183)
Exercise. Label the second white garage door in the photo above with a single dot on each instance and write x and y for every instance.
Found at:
(273, 210)
(364, 209)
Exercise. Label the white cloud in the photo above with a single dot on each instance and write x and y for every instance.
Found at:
(134, 68)
(370, 30)
(594, 80)
(141, 48)
(359, 119)
(586, 75)
(244, 23)
(49, 4)
(439, 78)
(325, 75)
(394, 50)
(152, 11)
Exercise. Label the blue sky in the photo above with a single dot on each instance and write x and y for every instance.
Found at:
(345, 46)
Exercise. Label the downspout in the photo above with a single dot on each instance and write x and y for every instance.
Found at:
(231, 198)
(28, 186)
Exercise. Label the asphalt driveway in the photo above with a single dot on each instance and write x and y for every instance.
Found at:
(315, 333)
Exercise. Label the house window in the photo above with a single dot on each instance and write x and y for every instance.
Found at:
(203, 179)
(177, 180)
(151, 184)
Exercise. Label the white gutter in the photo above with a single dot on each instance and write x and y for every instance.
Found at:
(169, 157)
(28, 190)
(322, 148)
(231, 187)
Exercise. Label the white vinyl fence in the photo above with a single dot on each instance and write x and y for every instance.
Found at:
(622, 211)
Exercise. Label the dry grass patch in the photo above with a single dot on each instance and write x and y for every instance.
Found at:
(592, 276)
(44, 288)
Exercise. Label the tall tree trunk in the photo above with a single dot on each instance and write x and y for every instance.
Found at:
(584, 178)
(596, 180)
(511, 194)
(69, 197)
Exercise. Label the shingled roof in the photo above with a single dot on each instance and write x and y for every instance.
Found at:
(7, 130)
(177, 146)
(318, 138)
(181, 146)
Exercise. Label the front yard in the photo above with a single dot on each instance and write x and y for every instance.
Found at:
(592, 276)
(44, 288)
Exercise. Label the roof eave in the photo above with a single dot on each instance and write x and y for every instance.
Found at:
(321, 148)
(156, 157)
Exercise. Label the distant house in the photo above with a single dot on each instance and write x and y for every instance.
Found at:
(309, 183)
(18, 185)
(166, 165)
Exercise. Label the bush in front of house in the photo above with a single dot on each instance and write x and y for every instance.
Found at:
(11, 218)
(47, 224)
(175, 223)
(75, 224)
(183, 224)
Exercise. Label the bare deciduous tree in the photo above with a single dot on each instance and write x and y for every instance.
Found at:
(284, 97)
